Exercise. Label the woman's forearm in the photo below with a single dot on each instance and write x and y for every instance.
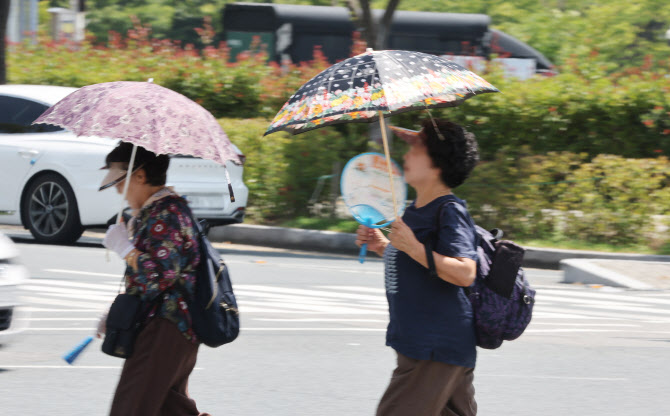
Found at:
(459, 271)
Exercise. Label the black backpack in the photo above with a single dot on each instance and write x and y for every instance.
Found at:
(501, 297)
(214, 315)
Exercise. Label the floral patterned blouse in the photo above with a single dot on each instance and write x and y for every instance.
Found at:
(164, 234)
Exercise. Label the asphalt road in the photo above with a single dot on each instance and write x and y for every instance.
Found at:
(313, 343)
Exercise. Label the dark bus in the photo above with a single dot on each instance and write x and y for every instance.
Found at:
(292, 32)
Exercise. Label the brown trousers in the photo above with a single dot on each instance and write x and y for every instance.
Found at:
(154, 380)
(429, 388)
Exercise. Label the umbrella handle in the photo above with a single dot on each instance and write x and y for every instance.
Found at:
(125, 192)
(125, 185)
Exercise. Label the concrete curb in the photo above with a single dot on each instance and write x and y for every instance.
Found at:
(550, 258)
(289, 238)
(344, 243)
(584, 271)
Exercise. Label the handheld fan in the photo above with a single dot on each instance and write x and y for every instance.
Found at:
(366, 190)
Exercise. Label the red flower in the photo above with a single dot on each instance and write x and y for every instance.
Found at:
(552, 109)
(648, 123)
(159, 228)
(162, 253)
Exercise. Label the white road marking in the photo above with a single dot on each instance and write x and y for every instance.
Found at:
(32, 309)
(620, 298)
(80, 285)
(315, 300)
(321, 320)
(307, 292)
(537, 331)
(554, 377)
(362, 289)
(84, 273)
(597, 314)
(57, 319)
(309, 266)
(60, 329)
(559, 309)
(331, 309)
(628, 331)
(70, 293)
(314, 329)
(540, 298)
(75, 366)
(582, 324)
(68, 303)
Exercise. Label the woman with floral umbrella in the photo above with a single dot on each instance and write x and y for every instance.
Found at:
(159, 244)
(431, 326)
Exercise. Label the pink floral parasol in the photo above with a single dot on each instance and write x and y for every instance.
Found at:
(145, 114)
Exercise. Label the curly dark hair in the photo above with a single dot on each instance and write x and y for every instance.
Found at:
(155, 166)
(455, 153)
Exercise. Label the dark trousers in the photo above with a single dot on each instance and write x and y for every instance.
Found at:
(429, 388)
(154, 380)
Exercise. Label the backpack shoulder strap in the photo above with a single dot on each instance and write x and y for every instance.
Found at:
(431, 241)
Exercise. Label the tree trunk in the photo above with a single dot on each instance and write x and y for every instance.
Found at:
(385, 25)
(363, 16)
(375, 34)
(4, 14)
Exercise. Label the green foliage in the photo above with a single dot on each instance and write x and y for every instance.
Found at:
(168, 19)
(608, 200)
(548, 168)
(265, 170)
(327, 224)
(622, 33)
(316, 153)
(282, 170)
(578, 110)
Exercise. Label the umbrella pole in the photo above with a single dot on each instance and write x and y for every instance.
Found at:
(125, 191)
(127, 181)
(382, 124)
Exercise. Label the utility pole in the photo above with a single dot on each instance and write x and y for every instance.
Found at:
(78, 8)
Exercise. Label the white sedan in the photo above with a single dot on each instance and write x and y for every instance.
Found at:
(50, 178)
(12, 275)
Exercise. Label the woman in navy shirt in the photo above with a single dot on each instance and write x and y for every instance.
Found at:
(431, 326)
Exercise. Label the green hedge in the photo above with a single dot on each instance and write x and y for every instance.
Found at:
(561, 195)
(579, 110)
(556, 150)
(609, 199)
(627, 115)
(281, 170)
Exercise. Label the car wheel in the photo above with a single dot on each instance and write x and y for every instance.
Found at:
(51, 210)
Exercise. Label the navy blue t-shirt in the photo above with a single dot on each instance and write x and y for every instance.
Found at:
(431, 319)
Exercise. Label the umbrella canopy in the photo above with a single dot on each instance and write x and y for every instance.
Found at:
(145, 114)
(374, 83)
